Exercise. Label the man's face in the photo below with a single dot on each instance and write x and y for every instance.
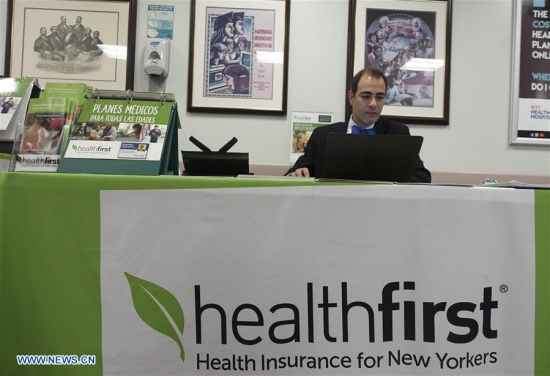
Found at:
(368, 102)
(229, 29)
(63, 19)
(377, 52)
(230, 82)
(239, 28)
(43, 31)
(96, 34)
(54, 30)
(78, 20)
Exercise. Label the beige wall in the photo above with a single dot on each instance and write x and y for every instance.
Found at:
(475, 144)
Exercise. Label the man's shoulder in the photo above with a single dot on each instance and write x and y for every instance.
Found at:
(392, 124)
(334, 127)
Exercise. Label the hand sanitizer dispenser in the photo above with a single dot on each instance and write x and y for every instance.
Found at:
(157, 57)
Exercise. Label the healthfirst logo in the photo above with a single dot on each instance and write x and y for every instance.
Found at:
(91, 149)
(37, 161)
(159, 309)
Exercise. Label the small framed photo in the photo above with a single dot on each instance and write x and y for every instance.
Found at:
(90, 42)
(410, 41)
(239, 56)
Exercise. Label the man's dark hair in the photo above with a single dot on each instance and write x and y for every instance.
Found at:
(373, 72)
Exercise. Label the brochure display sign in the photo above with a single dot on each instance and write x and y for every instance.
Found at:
(133, 136)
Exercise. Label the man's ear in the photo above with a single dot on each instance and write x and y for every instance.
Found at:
(350, 97)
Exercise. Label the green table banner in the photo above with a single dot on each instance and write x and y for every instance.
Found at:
(63, 252)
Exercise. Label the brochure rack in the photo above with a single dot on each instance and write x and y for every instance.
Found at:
(126, 133)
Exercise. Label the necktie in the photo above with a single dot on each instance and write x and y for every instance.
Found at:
(356, 130)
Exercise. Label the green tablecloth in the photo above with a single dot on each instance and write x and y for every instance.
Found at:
(50, 263)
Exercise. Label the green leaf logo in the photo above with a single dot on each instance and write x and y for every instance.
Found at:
(74, 147)
(158, 308)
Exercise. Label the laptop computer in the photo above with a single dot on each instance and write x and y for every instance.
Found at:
(370, 157)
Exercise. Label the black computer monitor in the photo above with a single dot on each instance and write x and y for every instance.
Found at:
(214, 163)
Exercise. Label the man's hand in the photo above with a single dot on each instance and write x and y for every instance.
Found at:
(301, 172)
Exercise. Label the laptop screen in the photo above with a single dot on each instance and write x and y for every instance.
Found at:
(370, 157)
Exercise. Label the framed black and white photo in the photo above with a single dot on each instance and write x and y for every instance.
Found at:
(90, 42)
(239, 56)
(410, 41)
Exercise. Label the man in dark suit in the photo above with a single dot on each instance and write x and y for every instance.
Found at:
(78, 28)
(71, 39)
(366, 96)
(57, 43)
(44, 47)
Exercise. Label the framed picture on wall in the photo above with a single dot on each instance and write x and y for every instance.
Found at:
(238, 56)
(90, 42)
(530, 107)
(410, 41)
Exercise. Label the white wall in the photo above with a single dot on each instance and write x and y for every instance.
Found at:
(476, 141)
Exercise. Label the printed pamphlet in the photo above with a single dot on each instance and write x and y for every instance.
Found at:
(78, 92)
(12, 90)
(42, 135)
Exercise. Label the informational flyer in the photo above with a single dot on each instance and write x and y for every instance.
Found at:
(301, 126)
(532, 85)
(160, 21)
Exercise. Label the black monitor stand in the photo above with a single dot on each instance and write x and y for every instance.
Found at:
(224, 149)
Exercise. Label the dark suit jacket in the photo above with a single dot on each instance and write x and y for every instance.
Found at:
(315, 148)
